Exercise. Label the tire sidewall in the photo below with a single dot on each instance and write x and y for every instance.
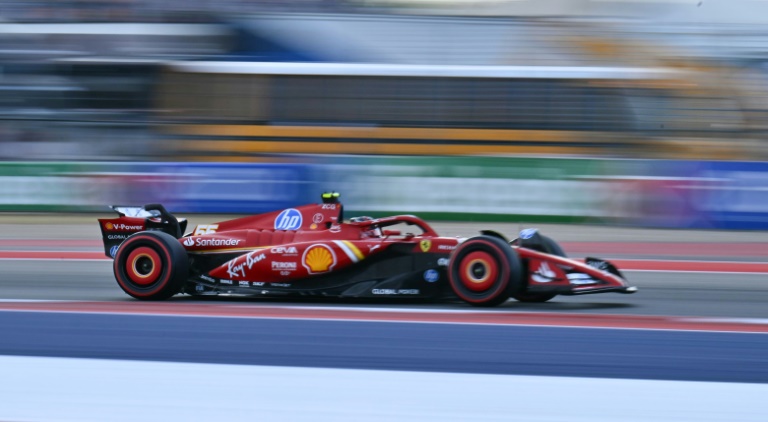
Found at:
(173, 262)
(507, 267)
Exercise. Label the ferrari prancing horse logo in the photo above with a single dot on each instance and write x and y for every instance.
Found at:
(425, 245)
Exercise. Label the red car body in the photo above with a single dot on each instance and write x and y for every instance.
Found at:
(311, 251)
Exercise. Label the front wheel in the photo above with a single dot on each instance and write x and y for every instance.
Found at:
(151, 265)
(484, 271)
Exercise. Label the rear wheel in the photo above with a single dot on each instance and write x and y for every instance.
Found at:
(484, 271)
(547, 245)
(151, 265)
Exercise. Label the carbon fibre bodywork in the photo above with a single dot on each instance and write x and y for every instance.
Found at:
(311, 251)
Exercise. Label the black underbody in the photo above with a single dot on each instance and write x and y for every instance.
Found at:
(395, 272)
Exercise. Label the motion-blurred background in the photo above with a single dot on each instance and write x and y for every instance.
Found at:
(631, 112)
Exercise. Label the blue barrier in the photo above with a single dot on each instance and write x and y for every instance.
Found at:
(242, 188)
(642, 193)
(735, 195)
(693, 194)
(651, 193)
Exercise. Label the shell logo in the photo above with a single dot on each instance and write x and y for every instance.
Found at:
(318, 259)
(109, 226)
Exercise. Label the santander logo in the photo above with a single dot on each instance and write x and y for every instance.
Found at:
(206, 241)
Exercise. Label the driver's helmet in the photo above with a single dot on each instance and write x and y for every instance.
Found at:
(373, 231)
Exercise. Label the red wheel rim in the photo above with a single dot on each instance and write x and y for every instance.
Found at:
(143, 266)
(478, 271)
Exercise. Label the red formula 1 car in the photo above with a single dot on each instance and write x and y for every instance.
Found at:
(311, 251)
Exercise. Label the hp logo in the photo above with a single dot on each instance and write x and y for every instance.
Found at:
(431, 276)
(289, 219)
(113, 251)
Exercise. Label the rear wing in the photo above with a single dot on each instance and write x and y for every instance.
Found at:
(134, 219)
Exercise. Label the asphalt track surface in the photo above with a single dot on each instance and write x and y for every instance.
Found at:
(458, 348)
(679, 294)
(690, 324)
(708, 279)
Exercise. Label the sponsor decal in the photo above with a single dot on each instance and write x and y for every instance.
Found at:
(285, 250)
(205, 229)
(236, 270)
(280, 284)
(313, 226)
(206, 278)
(431, 276)
(328, 207)
(443, 262)
(544, 274)
(283, 266)
(372, 248)
(317, 218)
(123, 227)
(252, 258)
(395, 291)
(527, 233)
(425, 245)
(117, 236)
(289, 219)
(189, 242)
(244, 284)
(257, 283)
(199, 287)
(113, 251)
(225, 281)
(318, 258)
(335, 228)
(205, 241)
(446, 247)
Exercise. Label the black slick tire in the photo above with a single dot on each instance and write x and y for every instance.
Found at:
(484, 271)
(151, 265)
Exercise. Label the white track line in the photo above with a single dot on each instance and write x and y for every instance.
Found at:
(91, 390)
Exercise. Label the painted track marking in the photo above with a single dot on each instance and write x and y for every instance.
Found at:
(400, 316)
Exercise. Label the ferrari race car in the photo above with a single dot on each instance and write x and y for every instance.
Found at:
(311, 251)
